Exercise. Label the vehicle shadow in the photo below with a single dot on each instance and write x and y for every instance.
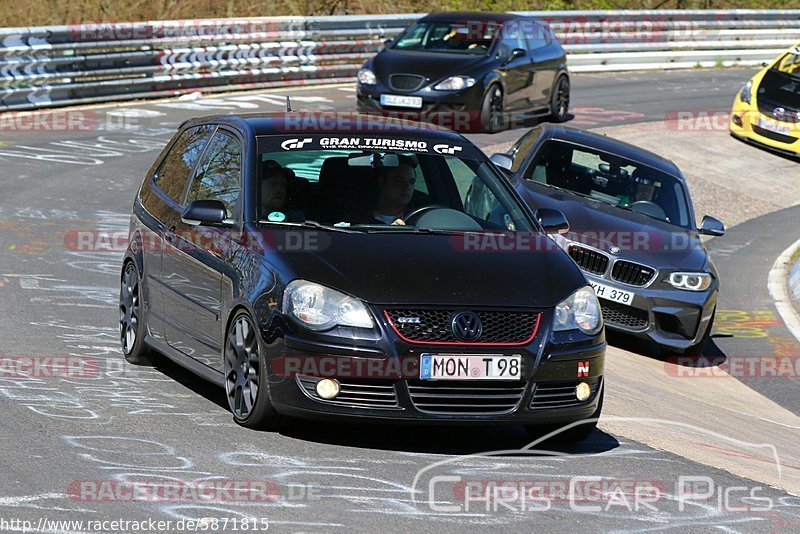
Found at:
(450, 439)
(192, 382)
(712, 354)
(769, 150)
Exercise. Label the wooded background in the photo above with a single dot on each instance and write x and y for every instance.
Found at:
(58, 12)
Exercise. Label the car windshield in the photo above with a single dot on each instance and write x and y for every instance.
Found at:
(789, 65)
(381, 184)
(604, 177)
(453, 37)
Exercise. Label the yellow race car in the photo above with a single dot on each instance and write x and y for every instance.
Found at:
(766, 111)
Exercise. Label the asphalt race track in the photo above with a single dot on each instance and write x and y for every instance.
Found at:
(733, 439)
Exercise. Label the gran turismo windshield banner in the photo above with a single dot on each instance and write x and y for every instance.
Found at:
(368, 142)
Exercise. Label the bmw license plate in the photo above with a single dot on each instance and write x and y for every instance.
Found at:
(774, 126)
(613, 294)
(401, 101)
(470, 367)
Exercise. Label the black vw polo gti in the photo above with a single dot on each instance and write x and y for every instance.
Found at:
(361, 267)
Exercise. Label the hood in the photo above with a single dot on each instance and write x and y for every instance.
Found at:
(420, 269)
(640, 238)
(779, 89)
(434, 66)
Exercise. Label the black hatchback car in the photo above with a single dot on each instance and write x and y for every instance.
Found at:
(383, 271)
(632, 230)
(469, 71)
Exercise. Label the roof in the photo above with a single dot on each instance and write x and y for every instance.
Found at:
(609, 144)
(331, 122)
(472, 15)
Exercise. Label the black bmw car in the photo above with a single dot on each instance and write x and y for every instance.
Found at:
(632, 230)
(355, 273)
(469, 71)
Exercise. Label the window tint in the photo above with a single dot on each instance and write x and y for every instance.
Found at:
(537, 36)
(512, 37)
(217, 176)
(522, 147)
(173, 172)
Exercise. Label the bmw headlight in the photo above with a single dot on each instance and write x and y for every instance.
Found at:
(455, 83)
(580, 311)
(366, 77)
(745, 95)
(317, 307)
(690, 281)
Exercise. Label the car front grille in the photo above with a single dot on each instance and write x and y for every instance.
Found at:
(355, 393)
(588, 259)
(632, 273)
(551, 395)
(775, 136)
(624, 316)
(465, 397)
(433, 326)
(406, 82)
(768, 109)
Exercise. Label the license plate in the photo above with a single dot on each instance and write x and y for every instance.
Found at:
(612, 293)
(469, 367)
(774, 126)
(401, 101)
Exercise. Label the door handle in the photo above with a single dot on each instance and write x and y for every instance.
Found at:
(169, 235)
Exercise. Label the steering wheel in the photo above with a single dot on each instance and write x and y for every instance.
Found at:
(649, 208)
(417, 213)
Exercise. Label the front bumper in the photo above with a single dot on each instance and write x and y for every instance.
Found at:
(457, 110)
(744, 125)
(380, 382)
(671, 317)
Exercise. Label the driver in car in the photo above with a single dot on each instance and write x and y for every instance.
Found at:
(395, 189)
(275, 181)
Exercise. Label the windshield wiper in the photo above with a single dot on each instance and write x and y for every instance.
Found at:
(319, 226)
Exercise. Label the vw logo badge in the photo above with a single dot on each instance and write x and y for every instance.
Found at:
(614, 250)
(466, 326)
(778, 112)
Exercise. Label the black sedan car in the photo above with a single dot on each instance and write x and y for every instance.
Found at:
(632, 230)
(469, 71)
(353, 273)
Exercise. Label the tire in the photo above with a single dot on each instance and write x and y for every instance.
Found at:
(246, 376)
(132, 324)
(698, 348)
(574, 434)
(492, 114)
(559, 100)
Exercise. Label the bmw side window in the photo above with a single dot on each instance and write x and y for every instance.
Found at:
(174, 171)
(218, 173)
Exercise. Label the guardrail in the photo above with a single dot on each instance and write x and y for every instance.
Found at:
(90, 63)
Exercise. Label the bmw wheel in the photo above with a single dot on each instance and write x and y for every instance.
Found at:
(246, 376)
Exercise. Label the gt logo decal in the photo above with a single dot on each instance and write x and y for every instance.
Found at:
(291, 144)
(446, 149)
(583, 369)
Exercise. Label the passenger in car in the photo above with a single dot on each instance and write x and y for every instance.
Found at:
(275, 180)
(395, 189)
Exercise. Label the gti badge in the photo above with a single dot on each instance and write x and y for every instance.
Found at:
(466, 326)
(408, 320)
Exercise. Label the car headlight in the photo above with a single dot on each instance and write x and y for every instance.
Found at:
(455, 83)
(317, 307)
(745, 94)
(580, 311)
(690, 281)
(366, 77)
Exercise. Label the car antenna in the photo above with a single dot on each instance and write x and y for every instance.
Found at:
(288, 105)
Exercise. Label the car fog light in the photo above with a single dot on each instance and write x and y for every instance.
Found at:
(582, 392)
(328, 388)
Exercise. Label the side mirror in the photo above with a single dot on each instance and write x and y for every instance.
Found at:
(387, 42)
(204, 212)
(764, 63)
(553, 221)
(711, 226)
(517, 52)
(503, 161)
